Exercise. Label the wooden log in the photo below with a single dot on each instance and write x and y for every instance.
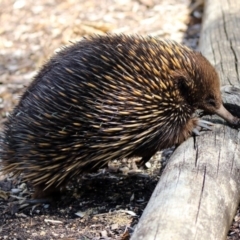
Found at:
(199, 190)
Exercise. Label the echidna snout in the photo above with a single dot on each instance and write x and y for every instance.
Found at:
(226, 115)
(105, 98)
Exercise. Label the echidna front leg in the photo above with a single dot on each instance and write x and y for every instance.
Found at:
(192, 127)
(202, 125)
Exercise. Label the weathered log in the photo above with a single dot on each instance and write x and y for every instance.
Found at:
(199, 190)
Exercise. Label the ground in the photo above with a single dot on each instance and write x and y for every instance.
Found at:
(103, 205)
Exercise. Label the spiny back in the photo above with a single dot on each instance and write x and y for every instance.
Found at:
(101, 99)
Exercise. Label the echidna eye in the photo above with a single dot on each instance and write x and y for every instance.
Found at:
(182, 85)
(211, 101)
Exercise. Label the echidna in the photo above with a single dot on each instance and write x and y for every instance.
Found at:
(105, 98)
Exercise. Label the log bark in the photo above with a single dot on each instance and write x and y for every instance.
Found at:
(199, 190)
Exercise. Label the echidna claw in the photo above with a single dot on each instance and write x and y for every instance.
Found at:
(196, 132)
(202, 125)
(205, 124)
